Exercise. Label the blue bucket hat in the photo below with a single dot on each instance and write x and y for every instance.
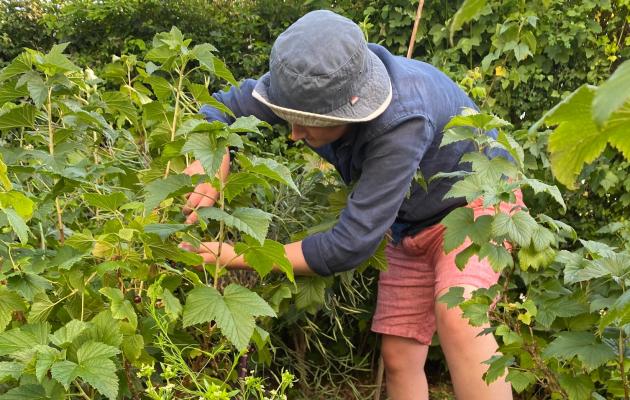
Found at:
(321, 73)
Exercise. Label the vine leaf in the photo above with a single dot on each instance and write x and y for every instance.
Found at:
(160, 189)
(612, 94)
(9, 303)
(583, 345)
(233, 312)
(251, 221)
(266, 256)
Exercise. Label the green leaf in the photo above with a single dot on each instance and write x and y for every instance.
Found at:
(20, 64)
(577, 140)
(9, 303)
(612, 94)
(10, 369)
(461, 223)
(91, 351)
(65, 335)
(41, 308)
(238, 182)
(19, 339)
(56, 61)
(540, 187)
(206, 151)
(461, 259)
(221, 70)
(498, 256)
(161, 87)
(121, 308)
(4, 177)
(453, 297)
(468, 11)
(251, 221)
(498, 364)
(118, 102)
(64, 372)
(37, 88)
(160, 189)
(490, 169)
(270, 169)
(46, 357)
(518, 227)
(520, 380)
(473, 118)
(132, 346)
(172, 306)
(19, 117)
(264, 257)
(165, 230)
(104, 328)
(233, 312)
(583, 345)
(311, 293)
(577, 387)
(110, 202)
(26, 392)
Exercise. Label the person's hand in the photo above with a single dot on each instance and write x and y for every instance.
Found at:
(209, 250)
(204, 195)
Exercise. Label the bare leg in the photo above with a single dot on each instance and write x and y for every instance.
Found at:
(404, 368)
(465, 353)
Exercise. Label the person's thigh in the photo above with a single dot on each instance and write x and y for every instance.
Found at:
(405, 299)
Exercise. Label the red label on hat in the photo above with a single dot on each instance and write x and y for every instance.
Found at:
(354, 99)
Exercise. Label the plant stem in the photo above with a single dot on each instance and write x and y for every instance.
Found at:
(176, 112)
(51, 150)
(83, 394)
(217, 267)
(624, 379)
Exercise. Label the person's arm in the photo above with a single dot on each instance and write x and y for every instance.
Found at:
(391, 161)
(229, 258)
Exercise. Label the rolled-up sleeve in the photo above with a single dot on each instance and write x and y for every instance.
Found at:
(391, 161)
(242, 103)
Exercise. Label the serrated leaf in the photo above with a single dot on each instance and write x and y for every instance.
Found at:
(65, 335)
(473, 118)
(57, 61)
(17, 224)
(91, 351)
(612, 94)
(251, 221)
(10, 369)
(105, 329)
(311, 293)
(490, 169)
(583, 345)
(160, 189)
(110, 202)
(20, 64)
(238, 182)
(161, 87)
(64, 372)
(233, 312)
(461, 223)
(520, 380)
(169, 251)
(118, 102)
(26, 392)
(132, 346)
(46, 357)
(518, 227)
(577, 140)
(16, 340)
(121, 308)
(453, 297)
(206, 151)
(498, 256)
(457, 134)
(540, 187)
(165, 230)
(41, 308)
(270, 169)
(172, 306)
(468, 11)
(9, 303)
(263, 258)
(18, 117)
(498, 365)
(577, 387)
(101, 374)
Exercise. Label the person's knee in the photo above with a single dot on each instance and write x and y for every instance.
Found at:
(401, 355)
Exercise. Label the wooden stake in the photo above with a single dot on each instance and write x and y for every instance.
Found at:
(415, 29)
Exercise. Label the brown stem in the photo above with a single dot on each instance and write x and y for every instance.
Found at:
(129, 376)
(416, 23)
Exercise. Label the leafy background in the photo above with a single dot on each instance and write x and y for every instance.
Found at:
(563, 320)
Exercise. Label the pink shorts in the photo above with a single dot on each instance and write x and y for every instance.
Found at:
(418, 271)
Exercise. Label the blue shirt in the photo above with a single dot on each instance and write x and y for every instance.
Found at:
(381, 157)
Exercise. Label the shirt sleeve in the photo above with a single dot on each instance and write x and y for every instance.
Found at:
(242, 103)
(390, 164)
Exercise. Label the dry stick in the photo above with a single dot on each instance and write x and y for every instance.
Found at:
(416, 23)
(412, 41)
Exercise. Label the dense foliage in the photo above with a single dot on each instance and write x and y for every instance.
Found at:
(96, 298)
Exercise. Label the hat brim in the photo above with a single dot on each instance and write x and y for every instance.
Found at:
(371, 101)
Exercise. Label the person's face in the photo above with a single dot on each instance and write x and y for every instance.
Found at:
(318, 136)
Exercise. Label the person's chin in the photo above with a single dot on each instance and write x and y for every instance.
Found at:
(314, 143)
